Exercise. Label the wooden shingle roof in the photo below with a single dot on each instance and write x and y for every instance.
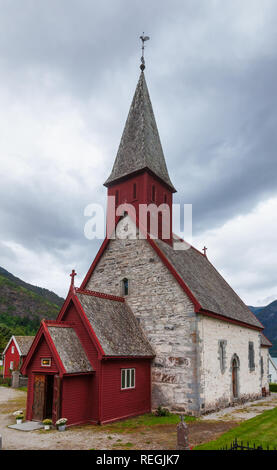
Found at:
(24, 343)
(115, 326)
(206, 284)
(140, 147)
(265, 342)
(69, 349)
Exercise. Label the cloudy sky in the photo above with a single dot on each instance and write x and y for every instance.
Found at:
(68, 71)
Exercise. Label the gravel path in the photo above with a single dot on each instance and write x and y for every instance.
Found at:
(88, 437)
(71, 439)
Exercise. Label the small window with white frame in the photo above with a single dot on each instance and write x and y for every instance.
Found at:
(11, 365)
(128, 378)
(12, 349)
(45, 362)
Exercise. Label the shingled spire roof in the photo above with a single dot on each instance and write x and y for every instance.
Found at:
(140, 147)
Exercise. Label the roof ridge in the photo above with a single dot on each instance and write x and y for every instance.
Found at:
(102, 295)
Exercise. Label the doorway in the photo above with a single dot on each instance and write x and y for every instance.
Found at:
(43, 397)
(235, 367)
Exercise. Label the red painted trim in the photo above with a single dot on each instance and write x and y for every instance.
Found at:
(196, 304)
(74, 299)
(31, 350)
(53, 348)
(43, 331)
(95, 262)
(65, 305)
(136, 173)
(229, 320)
(57, 324)
(264, 345)
(102, 295)
(88, 325)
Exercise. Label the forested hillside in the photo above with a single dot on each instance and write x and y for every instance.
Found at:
(22, 306)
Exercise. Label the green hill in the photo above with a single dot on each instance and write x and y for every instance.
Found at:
(22, 306)
(268, 317)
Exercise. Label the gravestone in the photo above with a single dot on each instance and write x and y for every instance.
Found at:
(15, 378)
(182, 435)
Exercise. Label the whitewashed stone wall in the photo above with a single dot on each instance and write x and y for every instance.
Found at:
(265, 356)
(217, 386)
(165, 313)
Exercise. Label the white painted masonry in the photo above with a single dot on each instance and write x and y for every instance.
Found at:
(186, 374)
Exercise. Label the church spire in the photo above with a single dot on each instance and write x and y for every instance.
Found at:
(140, 147)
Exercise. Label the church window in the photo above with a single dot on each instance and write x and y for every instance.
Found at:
(11, 365)
(46, 362)
(262, 365)
(12, 349)
(222, 355)
(153, 193)
(251, 358)
(127, 378)
(134, 191)
(125, 286)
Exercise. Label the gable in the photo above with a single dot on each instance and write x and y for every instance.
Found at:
(137, 261)
(42, 350)
(203, 285)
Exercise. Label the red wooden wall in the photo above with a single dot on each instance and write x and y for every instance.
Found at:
(42, 350)
(117, 403)
(78, 394)
(71, 315)
(11, 357)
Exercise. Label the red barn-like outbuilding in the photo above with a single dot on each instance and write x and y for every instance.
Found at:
(91, 365)
(15, 353)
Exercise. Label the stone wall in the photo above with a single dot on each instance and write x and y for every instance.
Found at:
(265, 356)
(216, 383)
(165, 313)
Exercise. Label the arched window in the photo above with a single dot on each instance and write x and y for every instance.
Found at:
(125, 286)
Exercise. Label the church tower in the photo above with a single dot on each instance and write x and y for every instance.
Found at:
(139, 175)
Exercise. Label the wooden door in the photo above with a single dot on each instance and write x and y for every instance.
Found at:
(56, 399)
(39, 398)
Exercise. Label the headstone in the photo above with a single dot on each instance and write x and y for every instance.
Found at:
(182, 435)
(15, 378)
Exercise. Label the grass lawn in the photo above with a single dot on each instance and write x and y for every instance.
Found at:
(137, 423)
(261, 430)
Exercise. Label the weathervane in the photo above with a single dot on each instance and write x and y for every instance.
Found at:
(143, 39)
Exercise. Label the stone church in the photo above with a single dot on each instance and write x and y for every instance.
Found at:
(150, 324)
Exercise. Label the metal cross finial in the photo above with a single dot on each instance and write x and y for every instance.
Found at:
(72, 275)
(205, 250)
(143, 39)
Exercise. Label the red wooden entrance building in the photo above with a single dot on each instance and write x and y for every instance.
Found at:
(90, 365)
